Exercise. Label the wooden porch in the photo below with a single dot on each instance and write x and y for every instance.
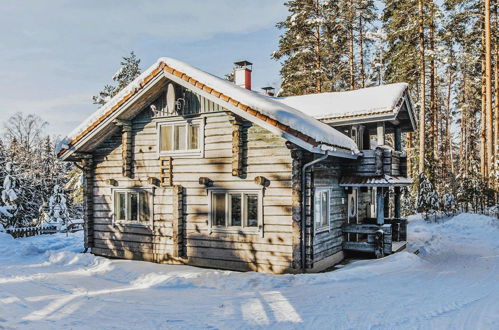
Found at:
(381, 240)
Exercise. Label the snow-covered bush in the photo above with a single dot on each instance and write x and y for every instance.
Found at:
(428, 198)
(449, 205)
(58, 209)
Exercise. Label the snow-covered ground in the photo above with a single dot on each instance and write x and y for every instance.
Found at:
(45, 283)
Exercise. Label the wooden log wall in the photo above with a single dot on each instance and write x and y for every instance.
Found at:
(296, 209)
(367, 164)
(328, 243)
(264, 154)
(88, 201)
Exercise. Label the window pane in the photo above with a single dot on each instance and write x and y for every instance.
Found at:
(145, 210)
(120, 205)
(252, 210)
(317, 209)
(218, 209)
(235, 209)
(324, 205)
(180, 138)
(134, 206)
(166, 138)
(193, 136)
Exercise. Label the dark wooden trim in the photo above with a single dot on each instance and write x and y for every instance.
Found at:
(178, 222)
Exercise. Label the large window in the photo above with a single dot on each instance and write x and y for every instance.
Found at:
(181, 137)
(132, 206)
(321, 208)
(235, 210)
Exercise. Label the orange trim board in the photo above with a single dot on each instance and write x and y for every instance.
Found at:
(195, 83)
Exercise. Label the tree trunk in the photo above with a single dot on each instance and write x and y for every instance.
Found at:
(422, 112)
(463, 156)
(483, 115)
(351, 42)
(496, 87)
(448, 137)
(318, 83)
(433, 114)
(488, 91)
(361, 53)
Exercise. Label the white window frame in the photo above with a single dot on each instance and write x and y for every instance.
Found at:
(322, 228)
(197, 153)
(235, 229)
(138, 191)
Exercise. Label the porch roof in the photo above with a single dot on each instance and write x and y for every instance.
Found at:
(374, 181)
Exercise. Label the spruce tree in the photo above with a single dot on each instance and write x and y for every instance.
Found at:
(128, 71)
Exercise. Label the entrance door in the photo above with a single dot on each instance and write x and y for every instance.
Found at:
(353, 206)
(352, 212)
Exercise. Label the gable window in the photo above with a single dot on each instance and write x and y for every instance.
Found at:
(235, 210)
(181, 137)
(321, 208)
(132, 206)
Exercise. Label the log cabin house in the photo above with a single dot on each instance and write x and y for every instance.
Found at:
(184, 167)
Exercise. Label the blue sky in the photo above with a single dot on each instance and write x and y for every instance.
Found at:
(56, 54)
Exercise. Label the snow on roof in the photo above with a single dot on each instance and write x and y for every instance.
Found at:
(374, 181)
(278, 111)
(365, 101)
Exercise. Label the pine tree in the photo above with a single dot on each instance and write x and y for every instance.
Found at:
(464, 28)
(324, 45)
(302, 48)
(129, 70)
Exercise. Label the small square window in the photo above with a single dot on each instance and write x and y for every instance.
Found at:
(132, 206)
(181, 138)
(235, 210)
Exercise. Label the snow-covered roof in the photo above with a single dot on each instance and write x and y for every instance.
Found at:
(360, 102)
(374, 181)
(262, 109)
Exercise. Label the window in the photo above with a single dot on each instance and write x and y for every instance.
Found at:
(235, 210)
(321, 208)
(132, 206)
(181, 137)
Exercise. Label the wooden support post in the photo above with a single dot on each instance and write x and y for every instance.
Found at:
(386, 204)
(397, 202)
(297, 156)
(380, 206)
(380, 136)
(398, 147)
(398, 138)
(178, 223)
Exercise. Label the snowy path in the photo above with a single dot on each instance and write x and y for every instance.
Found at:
(452, 284)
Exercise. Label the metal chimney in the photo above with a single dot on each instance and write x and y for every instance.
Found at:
(242, 74)
(269, 90)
